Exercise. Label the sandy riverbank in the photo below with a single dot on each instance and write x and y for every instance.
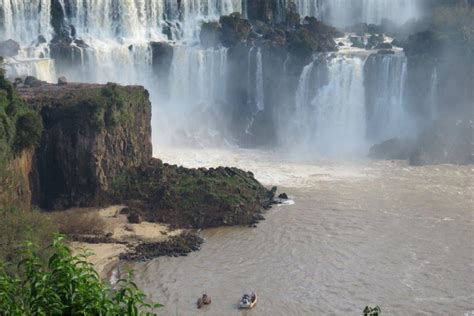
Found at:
(124, 235)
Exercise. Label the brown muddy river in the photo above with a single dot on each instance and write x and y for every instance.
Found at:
(358, 233)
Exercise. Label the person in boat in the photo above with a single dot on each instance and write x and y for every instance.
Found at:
(206, 299)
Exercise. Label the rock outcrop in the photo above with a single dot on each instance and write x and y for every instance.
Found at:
(399, 149)
(446, 141)
(9, 48)
(91, 133)
(196, 198)
(96, 149)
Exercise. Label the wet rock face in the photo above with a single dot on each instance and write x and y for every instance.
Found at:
(210, 34)
(262, 10)
(235, 29)
(90, 133)
(58, 20)
(422, 43)
(9, 48)
(310, 37)
(162, 56)
(392, 149)
(446, 141)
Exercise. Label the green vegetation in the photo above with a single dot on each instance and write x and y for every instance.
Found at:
(19, 226)
(20, 129)
(372, 311)
(101, 108)
(192, 197)
(20, 126)
(66, 285)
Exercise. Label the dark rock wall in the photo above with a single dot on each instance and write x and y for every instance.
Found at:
(90, 133)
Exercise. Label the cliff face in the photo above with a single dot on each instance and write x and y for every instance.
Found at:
(14, 182)
(91, 133)
(96, 149)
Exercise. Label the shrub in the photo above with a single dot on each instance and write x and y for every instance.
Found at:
(18, 226)
(79, 222)
(20, 126)
(66, 285)
(29, 127)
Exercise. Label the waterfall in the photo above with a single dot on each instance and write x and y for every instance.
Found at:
(344, 103)
(309, 8)
(25, 20)
(198, 76)
(386, 78)
(42, 69)
(197, 93)
(329, 113)
(145, 19)
(433, 98)
(348, 12)
(259, 81)
(339, 101)
(303, 92)
(250, 83)
(338, 109)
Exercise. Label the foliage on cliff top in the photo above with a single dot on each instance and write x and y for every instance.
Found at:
(20, 126)
(88, 108)
(193, 197)
(66, 285)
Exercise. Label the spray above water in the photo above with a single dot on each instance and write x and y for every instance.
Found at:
(330, 107)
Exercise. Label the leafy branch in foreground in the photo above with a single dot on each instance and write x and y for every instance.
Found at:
(66, 285)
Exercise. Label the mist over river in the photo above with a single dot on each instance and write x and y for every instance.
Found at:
(360, 232)
(313, 87)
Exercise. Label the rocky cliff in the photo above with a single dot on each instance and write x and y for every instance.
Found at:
(96, 149)
(91, 132)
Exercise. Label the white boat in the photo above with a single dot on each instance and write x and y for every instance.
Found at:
(248, 301)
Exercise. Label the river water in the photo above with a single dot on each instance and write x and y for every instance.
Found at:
(359, 232)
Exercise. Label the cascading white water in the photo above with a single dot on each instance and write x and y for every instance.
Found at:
(197, 75)
(259, 81)
(42, 69)
(433, 99)
(145, 19)
(196, 95)
(329, 117)
(302, 99)
(309, 8)
(348, 12)
(114, 62)
(338, 109)
(25, 20)
(360, 101)
(389, 116)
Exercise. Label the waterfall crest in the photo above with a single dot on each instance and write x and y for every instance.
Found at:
(330, 106)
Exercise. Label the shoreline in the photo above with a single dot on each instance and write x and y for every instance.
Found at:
(123, 242)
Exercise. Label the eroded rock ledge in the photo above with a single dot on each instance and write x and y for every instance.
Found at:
(96, 150)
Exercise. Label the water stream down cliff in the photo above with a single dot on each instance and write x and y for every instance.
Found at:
(211, 94)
